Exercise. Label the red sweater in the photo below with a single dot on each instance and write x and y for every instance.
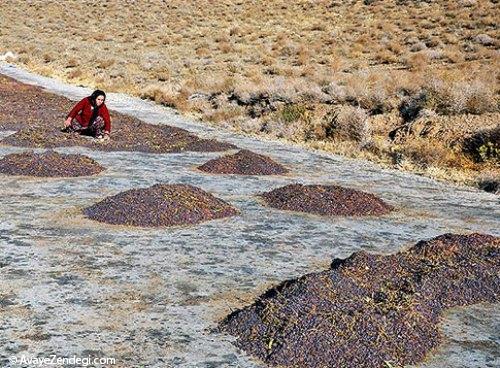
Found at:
(83, 112)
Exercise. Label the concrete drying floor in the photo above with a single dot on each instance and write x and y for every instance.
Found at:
(150, 297)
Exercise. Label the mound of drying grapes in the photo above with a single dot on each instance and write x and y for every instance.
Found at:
(38, 117)
(244, 163)
(370, 310)
(130, 136)
(326, 200)
(49, 164)
(160, 205)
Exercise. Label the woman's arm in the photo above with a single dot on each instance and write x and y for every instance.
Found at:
(107, 120)
(75, 110)
(72, 114)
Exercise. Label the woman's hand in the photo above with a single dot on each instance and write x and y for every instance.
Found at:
(106, 136)
(67, 122)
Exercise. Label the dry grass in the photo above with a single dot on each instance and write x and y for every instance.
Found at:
(277, 67)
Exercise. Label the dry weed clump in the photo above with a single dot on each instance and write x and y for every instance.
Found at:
(461, 96)
(349, 123)
(369, 310)
(426, 153)
(167, 95)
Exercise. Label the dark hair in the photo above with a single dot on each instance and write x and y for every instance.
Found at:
(92, 98)
(96, 94)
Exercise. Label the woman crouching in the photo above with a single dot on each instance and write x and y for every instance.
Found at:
(90, 116)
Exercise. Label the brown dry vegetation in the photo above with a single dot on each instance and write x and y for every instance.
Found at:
(412, 84)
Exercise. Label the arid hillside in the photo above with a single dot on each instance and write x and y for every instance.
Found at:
(411, 84)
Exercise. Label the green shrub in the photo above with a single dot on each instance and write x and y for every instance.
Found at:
(292, 113)
(484, 146)
(489, 152)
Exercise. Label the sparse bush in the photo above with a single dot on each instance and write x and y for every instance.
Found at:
(295, 131)
(468, 3)
(289, 49)
(318, 27)
(253, 126)
(225, 47)
(48, 57)
(418, 46)
(23, 59)
(386, 57)
(162, 74)
(224, 114)
(211, 83)
(453, 56)
(348, 123)
(310, 92)
(461, 97)
(368, 91)
(293, 112)
(71, 62)
(292, 122)
(303, 55)
(105, 63)
(411, 106)
(75, 73)
(450, 98)
(484, 40)
(168, 95)
(418, 61)
(425, 153)
(200, 105)
(235, 31)
(433, 54)
(336, 91)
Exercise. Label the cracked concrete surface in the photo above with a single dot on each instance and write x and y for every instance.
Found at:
(150, 297)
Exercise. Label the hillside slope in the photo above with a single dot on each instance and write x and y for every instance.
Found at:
(412, 84)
